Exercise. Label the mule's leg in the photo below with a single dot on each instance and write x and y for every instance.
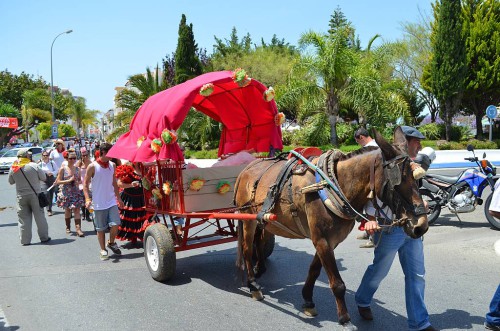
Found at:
(327, 256)
(259, 244)
(308, 289)
(249, 228)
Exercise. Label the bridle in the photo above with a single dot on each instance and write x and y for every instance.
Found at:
(393, 174)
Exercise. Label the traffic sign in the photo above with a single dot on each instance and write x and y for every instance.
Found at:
(54, 131)
(491, 111)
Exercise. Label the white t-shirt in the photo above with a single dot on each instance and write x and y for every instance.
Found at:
(103, 191)
(57, 157)
(371, 143)
(371, 211)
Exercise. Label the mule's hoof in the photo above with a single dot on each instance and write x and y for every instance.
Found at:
(257, 295)
(349, 327)
(311, 312)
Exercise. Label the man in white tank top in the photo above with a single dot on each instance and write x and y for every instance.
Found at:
(104, 200)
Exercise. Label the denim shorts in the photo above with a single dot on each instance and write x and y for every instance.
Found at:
(106, 218)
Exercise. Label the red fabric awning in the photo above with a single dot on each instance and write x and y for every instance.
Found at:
(248, 120)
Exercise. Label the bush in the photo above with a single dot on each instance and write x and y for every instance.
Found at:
(480, 144)
(345, 133)
(431, 131)
(450, 145)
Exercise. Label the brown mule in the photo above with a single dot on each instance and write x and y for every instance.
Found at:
(304, 215)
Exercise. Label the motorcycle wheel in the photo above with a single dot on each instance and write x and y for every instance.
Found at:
(495, 223)
(433, 205)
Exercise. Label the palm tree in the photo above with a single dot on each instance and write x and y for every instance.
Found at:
(374, 94)
(82, 116)
(323, 76)
(139, 88)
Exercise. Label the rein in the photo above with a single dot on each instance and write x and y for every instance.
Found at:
(328, 181)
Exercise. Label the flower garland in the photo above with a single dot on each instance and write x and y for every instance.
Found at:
(241, 78)
(125, 173)
(156, 145)
(207, 89)
(167, 187)
(279, 119)
(269, 94)
(146, 183)
(223, 187)
(196, 184)
(140, 141)
(168, 137)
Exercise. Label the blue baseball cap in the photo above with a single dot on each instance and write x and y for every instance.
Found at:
(410, 131)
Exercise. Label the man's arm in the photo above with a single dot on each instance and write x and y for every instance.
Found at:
(11, 177)
(117, 190)
(86, 184)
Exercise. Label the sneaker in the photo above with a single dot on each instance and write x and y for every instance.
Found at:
(104, 255)
(368, 244)
(114, 248)
(489, 326)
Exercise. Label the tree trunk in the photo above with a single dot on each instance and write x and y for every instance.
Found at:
(332, 109)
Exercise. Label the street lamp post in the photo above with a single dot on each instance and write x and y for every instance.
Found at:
(52, 79)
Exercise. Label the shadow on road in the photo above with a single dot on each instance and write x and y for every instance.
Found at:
(8, 224)
(282, 286)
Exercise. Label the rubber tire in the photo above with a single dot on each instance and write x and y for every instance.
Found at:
(433, 213)
(159, 235)
(495, 223)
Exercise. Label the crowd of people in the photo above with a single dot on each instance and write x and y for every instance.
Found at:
(112, 192)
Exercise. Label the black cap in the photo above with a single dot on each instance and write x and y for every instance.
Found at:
(410, 131)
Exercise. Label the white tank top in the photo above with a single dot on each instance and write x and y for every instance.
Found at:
(103, 192)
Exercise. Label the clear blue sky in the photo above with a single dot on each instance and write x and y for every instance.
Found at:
(112, 40)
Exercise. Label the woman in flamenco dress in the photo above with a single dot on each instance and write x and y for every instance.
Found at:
(133, 216)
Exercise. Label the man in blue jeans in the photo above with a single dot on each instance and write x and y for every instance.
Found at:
(411, 257)
(493, 316)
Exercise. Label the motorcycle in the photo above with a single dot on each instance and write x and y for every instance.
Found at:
(461, 193)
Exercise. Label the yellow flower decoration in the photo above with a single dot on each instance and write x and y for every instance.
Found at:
(196, 184)
(167, 188)
(223, 187)
(279, 119)
(140, 140)
(207, 89)
(156, 194)
(168, 137)
(269, 94)
(156, 145)
(241, 78)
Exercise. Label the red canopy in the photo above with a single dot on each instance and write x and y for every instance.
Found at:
(248, 120)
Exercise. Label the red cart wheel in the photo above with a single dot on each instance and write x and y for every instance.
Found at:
(159, 252)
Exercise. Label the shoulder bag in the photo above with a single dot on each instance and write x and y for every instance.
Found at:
(42, 198)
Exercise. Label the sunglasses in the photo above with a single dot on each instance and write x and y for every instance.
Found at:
(71, 158)
(85, 155)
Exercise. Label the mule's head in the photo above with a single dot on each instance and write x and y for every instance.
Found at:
(399, 190)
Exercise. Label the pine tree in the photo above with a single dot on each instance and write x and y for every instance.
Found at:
(482, 26)
(448, 65)
(187, 64)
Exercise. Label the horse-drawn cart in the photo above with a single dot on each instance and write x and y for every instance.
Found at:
(203, 197)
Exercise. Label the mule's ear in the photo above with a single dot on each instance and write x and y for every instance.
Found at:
(387, 150)
(400, 140)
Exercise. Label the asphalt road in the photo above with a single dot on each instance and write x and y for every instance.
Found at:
(65, 286)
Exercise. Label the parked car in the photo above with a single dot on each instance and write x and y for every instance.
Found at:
(10, 156)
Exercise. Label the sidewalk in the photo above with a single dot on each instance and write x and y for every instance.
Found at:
(444, 159)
